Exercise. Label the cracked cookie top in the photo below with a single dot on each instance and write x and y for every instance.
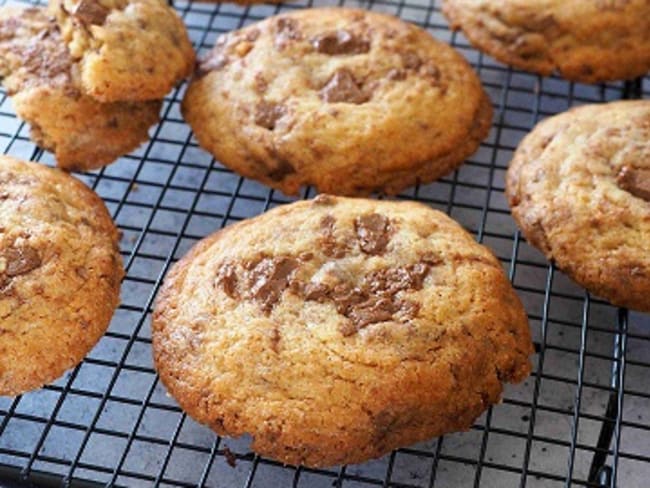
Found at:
(335, 329)
(126, 50)
(588, 40)
(347, 100)
(579, 187)
(60, 273)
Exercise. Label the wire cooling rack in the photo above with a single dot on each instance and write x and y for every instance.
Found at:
(581, 419)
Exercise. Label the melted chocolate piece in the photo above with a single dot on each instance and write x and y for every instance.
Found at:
(340, 42)
(90, 12)
(410, 60)
(342, 87)
(269, 278)
(375, 300)
(20, 260)
(373, 232)
(227, 278)
(287, 31)
(267, 114)
(635, 181)
(330, 246)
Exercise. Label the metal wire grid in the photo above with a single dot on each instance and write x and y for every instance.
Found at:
(581, 419)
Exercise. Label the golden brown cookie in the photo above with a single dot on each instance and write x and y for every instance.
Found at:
(347, 100)
(126, 50)
(587, 40)
(336, 329)
(60, 272)
(579, 188)
(38, 74)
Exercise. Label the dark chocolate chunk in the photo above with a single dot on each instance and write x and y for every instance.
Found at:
(635, 181)
(90, 12)
(269, 278)
(227, 279)
(373, 231)
(340, 42)
(20, 260)
(267, 114)
(342, 87)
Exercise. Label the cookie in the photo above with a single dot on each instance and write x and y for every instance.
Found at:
(579, 188)
(336, 329)
(346, 100)
(60, 272)
(37, 70)
(589, 41)
(125, 50)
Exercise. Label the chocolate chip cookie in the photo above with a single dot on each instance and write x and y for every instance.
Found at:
(336, 329)
(46, 92)
(60, 272)
(589, 41)
(125, 50)
(579, 188)
(349, 101)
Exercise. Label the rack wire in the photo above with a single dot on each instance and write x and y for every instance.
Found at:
(581, 419)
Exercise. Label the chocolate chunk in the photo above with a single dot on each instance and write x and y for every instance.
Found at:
(316, 292)
(393, 280)
(635, 181)
(287, 31)
(269, 278)
(396, 75)
(410, 60)
(230, 457)
(375, 300)
(372, 311)
(227, 279)
(268, 113)
(90, 12)
(330, 245)
(213, 62)
(342, 87)
(340, 42)
(373, 232)
(20, 260)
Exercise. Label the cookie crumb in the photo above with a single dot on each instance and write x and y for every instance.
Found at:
(230, 457)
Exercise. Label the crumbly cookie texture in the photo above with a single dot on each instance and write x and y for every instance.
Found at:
(336, 329)
(60, 272)
(579, 188)
(349, 101)
(126, 50)
(39, 75)
(589, 41)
